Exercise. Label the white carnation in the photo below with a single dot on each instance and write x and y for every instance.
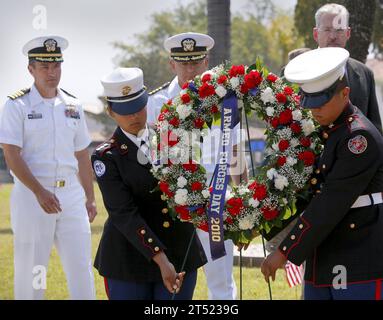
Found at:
(271, 173)
(181, 196)
(280, 182)
(181, 182)
(291, 161)
(246, 223)
(242, 191)
(297, 115)
(206, 194)
(267, 95)
(254, 202)
(307, 127)
(220, 91)
(234, 82)
(270, 111)
(165, 170)
(183, 111)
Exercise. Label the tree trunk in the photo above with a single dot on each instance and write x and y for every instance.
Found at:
(218, 12)
(361, 23)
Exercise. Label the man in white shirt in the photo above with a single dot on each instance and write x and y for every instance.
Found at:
(44, 137)
(188, 58)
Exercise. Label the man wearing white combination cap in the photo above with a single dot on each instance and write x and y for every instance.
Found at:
(340, 232)
(45, 138)
(188, 58)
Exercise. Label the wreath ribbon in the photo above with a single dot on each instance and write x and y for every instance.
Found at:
(229, 118)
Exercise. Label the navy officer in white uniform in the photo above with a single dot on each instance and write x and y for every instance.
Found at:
(45, 138)
(189, 58)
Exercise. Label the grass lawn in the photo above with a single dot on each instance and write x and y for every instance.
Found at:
(253, 285)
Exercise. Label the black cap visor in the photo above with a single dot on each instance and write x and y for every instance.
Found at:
(318, 99)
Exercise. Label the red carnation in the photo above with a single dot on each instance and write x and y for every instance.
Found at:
(206, 77)
(269, 214)
(234, 206)
(286, 117)
(185, 85)
(200, 211)
(174, 122)
(206, 90)
(214, 109)
(222, 79)
(204, 226)
(183, 213)
(307, 157)
(161, 116)
(185, 98)
(253, 79)
(236, 70)
(272, 77)
(305, 142)
(169, 103)
(164, 186)
(198, 123)
(281, 98)
(281, 161)
(283, 145)
(253, 186)
(274, 122)
(196, 186)
(229, 220)
(288, 91)
(295, 127)
(260, 192)
(190, 167)
(244, 89)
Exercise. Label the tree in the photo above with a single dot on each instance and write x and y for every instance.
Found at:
(362, 15)
(377, 36)
(260, 31)
(148, 52)
(219, 25)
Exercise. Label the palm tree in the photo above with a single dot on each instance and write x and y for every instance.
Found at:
(218, 13)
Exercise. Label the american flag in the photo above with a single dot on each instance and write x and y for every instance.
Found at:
(294, 274)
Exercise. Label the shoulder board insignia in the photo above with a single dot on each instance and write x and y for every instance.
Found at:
(165, 85)
(71, 95)
(105, 147)
(355, 123)
(19, 93)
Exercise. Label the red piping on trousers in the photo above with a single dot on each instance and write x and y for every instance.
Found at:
(106, 287)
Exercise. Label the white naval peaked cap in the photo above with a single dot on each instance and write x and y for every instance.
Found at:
(46, 48)
(189, 46)
(317, 72)
(124, 89)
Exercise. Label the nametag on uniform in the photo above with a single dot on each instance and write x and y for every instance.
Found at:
(34, 115)
(71, 112)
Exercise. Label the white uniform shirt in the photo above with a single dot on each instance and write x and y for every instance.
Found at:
(49, 132)
(211, 140)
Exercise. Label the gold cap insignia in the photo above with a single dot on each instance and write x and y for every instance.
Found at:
(126, 90)
(50, 45)
(188, 44)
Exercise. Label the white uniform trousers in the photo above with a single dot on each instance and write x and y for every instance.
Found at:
(219, 273)
(35, 232)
